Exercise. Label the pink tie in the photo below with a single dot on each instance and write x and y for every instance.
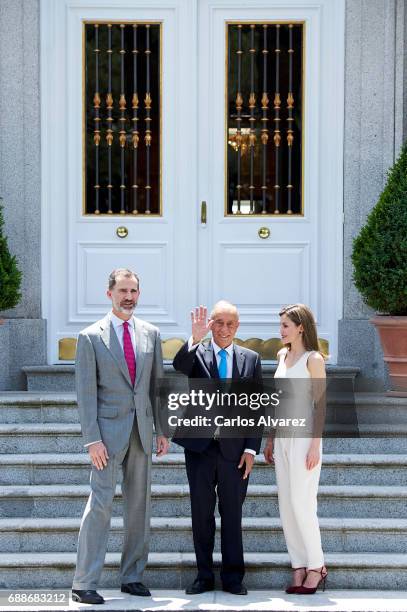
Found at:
(129, 352)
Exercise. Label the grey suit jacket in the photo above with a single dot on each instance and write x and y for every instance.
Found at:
(107, 401)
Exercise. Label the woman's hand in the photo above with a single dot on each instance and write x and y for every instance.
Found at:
(268, 451)
(313, 455)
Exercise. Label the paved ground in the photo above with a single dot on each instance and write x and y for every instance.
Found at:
(262, 601)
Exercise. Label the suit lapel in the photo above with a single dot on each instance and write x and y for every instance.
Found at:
(110, 339)
(238, 362)
(210, 361)
(141, 348)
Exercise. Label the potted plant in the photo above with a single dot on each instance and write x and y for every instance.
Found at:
(380, 271)
(10, 275)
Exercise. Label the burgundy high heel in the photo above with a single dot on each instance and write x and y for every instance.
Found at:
(293, 589)
(303, 590)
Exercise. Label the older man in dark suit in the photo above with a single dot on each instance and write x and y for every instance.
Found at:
(218, 465)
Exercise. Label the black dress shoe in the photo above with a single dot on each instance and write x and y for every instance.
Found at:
(135, 588)
(88, 597)
(199, 586)
(235, 589)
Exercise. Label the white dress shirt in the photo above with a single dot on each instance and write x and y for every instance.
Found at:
(119, 329)
(229, 362)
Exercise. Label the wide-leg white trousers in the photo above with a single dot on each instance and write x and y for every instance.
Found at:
(297, 499)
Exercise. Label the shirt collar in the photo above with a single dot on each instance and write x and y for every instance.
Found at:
(228, 349)
(117, 322)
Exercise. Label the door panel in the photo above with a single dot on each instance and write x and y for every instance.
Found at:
(83, 247)
(264, 261)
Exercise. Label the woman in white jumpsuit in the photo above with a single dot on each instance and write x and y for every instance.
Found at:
(298, 460)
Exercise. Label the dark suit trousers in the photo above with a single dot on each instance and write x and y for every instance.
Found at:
(209, 472)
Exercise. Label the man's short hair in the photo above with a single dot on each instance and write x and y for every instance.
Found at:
(122, 272)
(224, 306)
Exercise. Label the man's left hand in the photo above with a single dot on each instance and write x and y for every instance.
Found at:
(163, 445)
(246, 459)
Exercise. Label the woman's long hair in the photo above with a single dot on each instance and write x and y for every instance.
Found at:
(300, 314)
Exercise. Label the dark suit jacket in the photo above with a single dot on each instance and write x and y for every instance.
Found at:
(200, 362)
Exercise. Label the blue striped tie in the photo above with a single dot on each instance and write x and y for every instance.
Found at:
(223, 364)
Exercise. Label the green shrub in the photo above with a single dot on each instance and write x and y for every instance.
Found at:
(380, 250)
(10, 275)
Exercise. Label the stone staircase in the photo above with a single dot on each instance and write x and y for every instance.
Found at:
(44, 473)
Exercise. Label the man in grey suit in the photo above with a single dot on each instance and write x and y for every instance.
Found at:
(118, 364)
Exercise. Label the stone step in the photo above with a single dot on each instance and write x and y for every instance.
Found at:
(21, 438)
(175, 570)
(39, 407)
(48, 407)
(173, 501)
(74, 468)
(174, 535)
(60, 378)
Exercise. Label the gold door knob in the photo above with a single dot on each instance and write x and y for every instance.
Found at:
(122, 232)
(264, 232)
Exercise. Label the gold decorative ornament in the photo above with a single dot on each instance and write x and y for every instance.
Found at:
(122, 232)
(171, 347)
(267, 349)
(122, 102)
(264, 101)
(290, 139)
(67, 349)
(203, 212)
(264, 233)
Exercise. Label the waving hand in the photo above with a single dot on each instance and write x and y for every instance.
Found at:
(200, 325)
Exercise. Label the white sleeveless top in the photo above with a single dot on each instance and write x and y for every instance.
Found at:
(298, 370)
(298, 403)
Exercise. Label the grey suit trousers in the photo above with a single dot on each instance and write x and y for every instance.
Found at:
(94, 530)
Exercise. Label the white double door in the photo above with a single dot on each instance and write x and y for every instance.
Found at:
(182, 261)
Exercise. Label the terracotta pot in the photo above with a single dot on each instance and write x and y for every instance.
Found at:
(393, 336)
